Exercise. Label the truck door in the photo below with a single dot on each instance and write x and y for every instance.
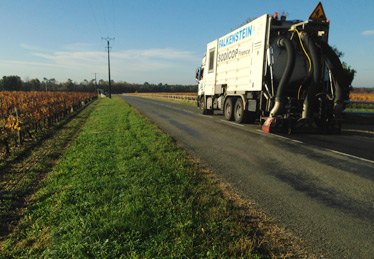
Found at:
(210, 69)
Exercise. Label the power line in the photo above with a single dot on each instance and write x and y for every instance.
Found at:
(113, 19)
(95, 17)
(103, 14)
(108, 48)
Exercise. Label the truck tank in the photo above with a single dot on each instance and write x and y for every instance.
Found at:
(306, 77)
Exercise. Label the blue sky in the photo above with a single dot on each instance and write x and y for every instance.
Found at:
(155, 41)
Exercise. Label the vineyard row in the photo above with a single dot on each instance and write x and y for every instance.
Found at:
(24, 114)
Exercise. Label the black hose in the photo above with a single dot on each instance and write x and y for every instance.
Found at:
(316, 70)
(337, 71)
(287, 44)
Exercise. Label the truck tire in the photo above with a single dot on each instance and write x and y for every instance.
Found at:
(239, 112)
(203, 105)
(229, 109)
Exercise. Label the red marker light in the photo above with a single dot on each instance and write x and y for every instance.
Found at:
(276, 16)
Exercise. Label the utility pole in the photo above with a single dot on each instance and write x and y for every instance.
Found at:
(110, 83)
(95, 82)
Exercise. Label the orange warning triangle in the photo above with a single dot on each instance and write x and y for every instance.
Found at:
(318, 14)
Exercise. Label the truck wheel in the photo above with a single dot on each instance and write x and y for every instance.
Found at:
(239, 112)
(202, 105)
(228, 109)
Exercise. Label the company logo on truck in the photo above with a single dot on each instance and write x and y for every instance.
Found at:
(235, 37)
(228, 55)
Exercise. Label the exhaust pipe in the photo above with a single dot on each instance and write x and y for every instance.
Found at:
(278, 106)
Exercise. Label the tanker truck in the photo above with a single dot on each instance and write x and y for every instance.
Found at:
(276, 72)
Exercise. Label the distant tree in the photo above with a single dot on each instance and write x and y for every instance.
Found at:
(45, 83)
(68, 86)
(348, 73)
(33, 85)
(11, 83)
(52, 84)
(15, 83)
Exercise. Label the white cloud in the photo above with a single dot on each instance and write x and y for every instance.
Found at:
(368, 33)
(149, 59)
(138, 65)
(27, 63)
(79, 46)
(173, 54)
(30, 47)
(74, 59)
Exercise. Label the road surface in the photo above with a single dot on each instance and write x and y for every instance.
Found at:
(320, 187)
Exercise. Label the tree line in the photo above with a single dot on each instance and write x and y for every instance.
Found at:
(15, 83)
(363, 90)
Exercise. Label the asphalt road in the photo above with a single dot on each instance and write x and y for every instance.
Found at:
(319, 187)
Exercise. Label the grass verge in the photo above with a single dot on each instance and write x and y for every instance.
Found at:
(24, 171)
(124, 189)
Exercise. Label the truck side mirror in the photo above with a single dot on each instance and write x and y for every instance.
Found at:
(197, 74)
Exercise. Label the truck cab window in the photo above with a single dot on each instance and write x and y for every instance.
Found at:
(211, 60)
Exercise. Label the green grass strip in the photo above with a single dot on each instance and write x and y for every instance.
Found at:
(124, 189)
(24, 171)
